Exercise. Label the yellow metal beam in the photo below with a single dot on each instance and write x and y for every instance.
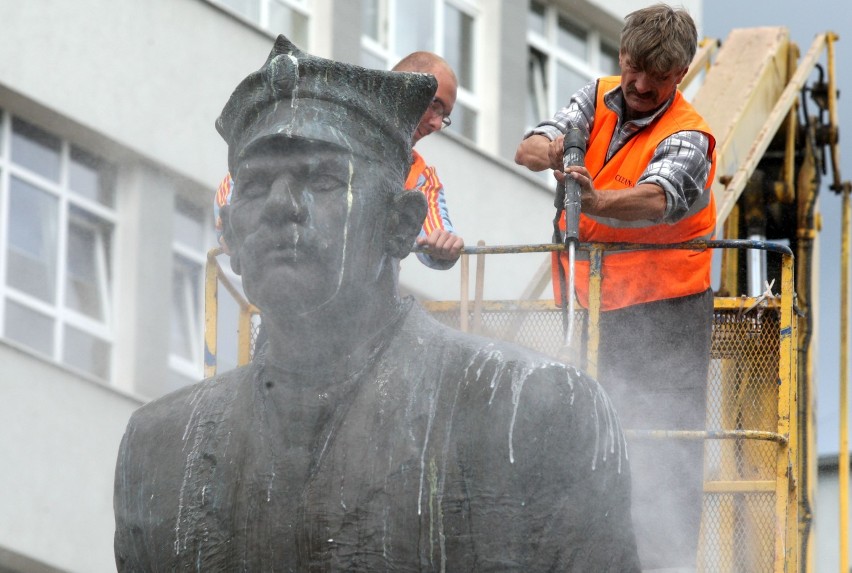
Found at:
(843, 459)
(736, 98)
(725, 198)
(701, 62)
(211, 312)
(744, 486)
(786, 465)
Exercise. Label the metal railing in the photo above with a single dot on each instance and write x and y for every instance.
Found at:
(750, 518)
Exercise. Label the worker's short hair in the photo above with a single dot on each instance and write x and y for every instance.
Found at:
(659, 39)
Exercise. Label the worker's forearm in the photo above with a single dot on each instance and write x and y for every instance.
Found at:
(532, 153)
(643, 202)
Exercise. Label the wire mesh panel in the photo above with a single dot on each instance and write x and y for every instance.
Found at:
(738, 528)
(739, 509)
(537, 325)
(737, 533)
(255, 336)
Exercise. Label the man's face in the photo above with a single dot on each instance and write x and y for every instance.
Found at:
(442, 105)
(304, 228)
(645, 92)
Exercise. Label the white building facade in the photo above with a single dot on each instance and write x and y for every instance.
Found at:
(108, 164)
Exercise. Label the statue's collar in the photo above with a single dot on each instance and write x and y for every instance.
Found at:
(348, 367)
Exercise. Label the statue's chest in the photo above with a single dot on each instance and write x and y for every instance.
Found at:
(351, 498)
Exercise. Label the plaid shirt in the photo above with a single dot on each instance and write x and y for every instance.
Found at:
(680, 164)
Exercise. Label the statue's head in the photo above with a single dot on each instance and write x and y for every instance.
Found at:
(319, 151)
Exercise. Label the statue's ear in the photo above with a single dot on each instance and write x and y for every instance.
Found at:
(228, 238)
(407, 212)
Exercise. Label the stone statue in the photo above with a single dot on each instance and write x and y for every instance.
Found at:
(365, 436)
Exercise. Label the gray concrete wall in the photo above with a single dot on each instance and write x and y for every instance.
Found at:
(152, 75)
(60, 435)
(143, 278)
(492, 200)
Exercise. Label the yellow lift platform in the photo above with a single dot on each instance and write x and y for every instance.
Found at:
(760, 455)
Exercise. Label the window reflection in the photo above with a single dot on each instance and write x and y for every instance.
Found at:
(371, 19)
(285, 20)
(87, 274)
(537, 87)
(32, 243)
(288, 17)
(192, 238)
(36, 149)
(89, 178)
(535, 17)
(393, 29)
(572, 38)
(415, 26)
(564, 54)
(568, 81)
(190, 226)
(458, 45)
(58, 239)
(186, 321)
(249, 9)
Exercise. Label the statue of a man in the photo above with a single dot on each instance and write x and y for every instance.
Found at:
(365, 436)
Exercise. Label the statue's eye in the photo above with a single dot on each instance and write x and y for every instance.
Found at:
(325, 182)
(251, 183)
(250, 189)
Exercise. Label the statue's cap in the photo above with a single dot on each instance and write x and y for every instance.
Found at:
(298, 95)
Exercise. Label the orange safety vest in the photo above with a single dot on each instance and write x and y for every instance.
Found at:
(418, 166)
(635, 277)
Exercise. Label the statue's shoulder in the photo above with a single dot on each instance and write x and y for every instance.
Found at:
(172, 412)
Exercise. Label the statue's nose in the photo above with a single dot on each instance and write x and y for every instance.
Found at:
(286, 201)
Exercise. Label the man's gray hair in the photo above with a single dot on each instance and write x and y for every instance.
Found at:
(659, 39)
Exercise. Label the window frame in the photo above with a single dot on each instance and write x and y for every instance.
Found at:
(383, 49)
(183, 253)
(58, 311)
(547, 44)
(302, 7)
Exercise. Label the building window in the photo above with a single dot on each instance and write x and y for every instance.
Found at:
(288, 17)
(395, 28)
(57, 223)
(564, 54)
(192, 238)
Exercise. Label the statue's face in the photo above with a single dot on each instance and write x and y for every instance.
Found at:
(306, 224)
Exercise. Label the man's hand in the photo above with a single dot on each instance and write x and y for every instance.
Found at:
(589, 197)
(646, 201)
(538, 153)
(555, 153)
(442, 245)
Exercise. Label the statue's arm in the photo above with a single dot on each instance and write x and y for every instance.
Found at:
(129, 546)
